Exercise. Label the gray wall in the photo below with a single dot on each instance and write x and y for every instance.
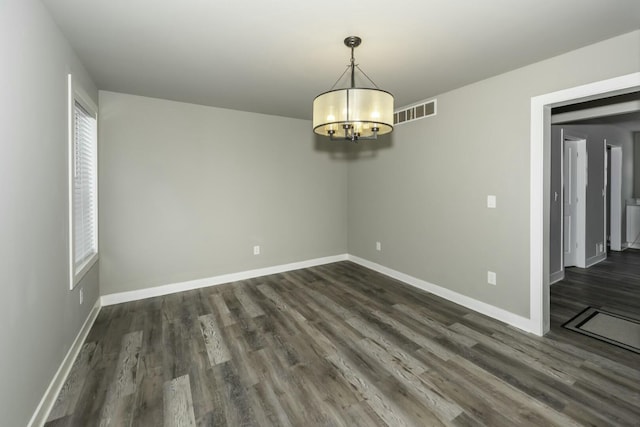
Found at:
(186, 191)
(39, 316)
(425, 197)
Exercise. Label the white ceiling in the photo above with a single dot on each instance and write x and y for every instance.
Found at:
(275, 56)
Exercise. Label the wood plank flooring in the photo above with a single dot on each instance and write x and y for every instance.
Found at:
(341, 345)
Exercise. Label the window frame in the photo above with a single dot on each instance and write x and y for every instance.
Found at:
(77, 95)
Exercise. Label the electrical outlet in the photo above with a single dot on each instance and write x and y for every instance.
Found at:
(256, 250)
(378, 246)
(491, 277)
(81, 296)
(600, 248)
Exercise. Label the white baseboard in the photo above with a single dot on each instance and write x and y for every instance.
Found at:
(46, 403)
(556, 277)
(156, 291)
(591, 261)
(473, 304)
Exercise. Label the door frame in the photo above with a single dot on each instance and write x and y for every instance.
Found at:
(541, 106)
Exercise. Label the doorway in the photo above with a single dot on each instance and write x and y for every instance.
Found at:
(539, 192)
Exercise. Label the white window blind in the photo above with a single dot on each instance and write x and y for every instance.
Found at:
(84, 190)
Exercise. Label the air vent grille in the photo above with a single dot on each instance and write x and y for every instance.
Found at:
(415, 112)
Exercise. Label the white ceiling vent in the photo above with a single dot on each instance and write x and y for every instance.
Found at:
(420, 111)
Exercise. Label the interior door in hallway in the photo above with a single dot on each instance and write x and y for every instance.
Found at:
(574, 198)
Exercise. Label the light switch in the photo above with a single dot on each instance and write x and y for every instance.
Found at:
(491, 201)
(491, 277)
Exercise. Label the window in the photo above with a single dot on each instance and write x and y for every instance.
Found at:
(83, 183)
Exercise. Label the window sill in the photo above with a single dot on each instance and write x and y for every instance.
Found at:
(81, 271)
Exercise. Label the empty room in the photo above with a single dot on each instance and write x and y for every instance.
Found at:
(330, 213)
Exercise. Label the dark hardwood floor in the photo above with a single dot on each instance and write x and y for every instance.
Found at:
(341, 345)
(613, 284)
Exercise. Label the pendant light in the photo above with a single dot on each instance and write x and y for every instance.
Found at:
(353, 113)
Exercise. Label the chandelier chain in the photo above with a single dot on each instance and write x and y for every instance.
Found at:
(341, 76)
(368, 78)
(359, 69)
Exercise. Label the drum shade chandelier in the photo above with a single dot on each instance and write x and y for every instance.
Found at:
(353, 113)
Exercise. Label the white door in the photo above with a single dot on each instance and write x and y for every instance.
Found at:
(574, 199)
(615, 221)
(570, 202)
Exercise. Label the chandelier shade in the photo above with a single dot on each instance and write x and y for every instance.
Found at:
(366, 112)
(353, 113)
